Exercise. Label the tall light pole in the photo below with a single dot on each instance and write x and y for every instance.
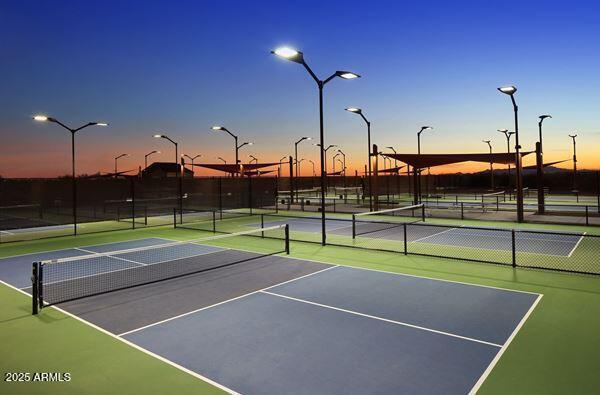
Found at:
(359, 112)
(397, 171)
(221, 159)
(344, 161)
(507, 134)
(489, 143)
(235, 138)
(325, 153)
(116, 159)
(573, 136)
(418, 193)
(179, 170)
(298, 163)
(542, 117)
(296, 153)
(147, 155)
(511, 90)
(540, 167)
(279, 167)
(298, 57)
(313, 167)
(192, 158)
(43, 118)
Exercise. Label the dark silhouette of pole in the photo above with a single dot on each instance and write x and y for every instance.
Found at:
(279, 167)
(313, 167)
(43, 118)
(237, 147)
(417, 198)
(489, 143)
(540, 168)
(369, 154)
(147, 155)
(116, 159)
(508, 135)
(573, 136)
(179, 167)
(343, 164)
(510, 90)
(192, 158)
(298, 57)
(397, 171)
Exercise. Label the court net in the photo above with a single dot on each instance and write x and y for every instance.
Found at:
(67, 279)
(376, 221)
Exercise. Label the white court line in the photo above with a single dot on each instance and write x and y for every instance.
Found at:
(7, 232)
(223, 302)
(435, 234)
(112, 256)
(576, 244)
(384, 319)
(492, 364)
(131, 344)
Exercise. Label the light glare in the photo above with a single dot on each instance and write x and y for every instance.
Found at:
(286, 52)
(40, 118)
(509, 90)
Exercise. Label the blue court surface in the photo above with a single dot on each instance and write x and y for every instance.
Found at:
(276, 324)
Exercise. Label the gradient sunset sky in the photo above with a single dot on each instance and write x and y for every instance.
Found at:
(180, 67)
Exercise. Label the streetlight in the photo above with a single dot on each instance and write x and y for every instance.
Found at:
(237, 147)
(508, 135)
(147, 155)
(116, 159)
(313, 167)
(542, 117)
(359, 112)
(398, 171)
(44, 118)
(224, 161)
(192, 158)
(164, 136)
(325, 152)
(298, 57)
(298, 163)
(254, 159)
(510, 90)
(344, 162)
(333, 159)
(296, 152)
(279, 167)
(573, 136)
(489, 143)
(418, 193)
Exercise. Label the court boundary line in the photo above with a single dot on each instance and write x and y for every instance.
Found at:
(405, 324)
(495, 360)
(222, 302)
(114, 257)
(135, 346)
(576, 244)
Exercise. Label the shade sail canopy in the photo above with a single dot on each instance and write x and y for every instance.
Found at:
(546, 164)
(233, 168)
(391, 169)
(421, 161)
(337, 173)
(257, 172)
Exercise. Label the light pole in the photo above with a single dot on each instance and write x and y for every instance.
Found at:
(254, 159)
(179, 170)
(397, 171)
(334, 156)
(573, 136)
(298, 163)
(298, 57)
(235, 138)
(279, 168)
(296, 153)
(192, 158)
(313, 167)
(489, 143)
(116, 159)
(325, 153)
(359, 112)
(223, 160)
(510, 90)
(418, 193)
(508, 135)
(43, 118)
(542, 117)
(344, 160)
(147, 155)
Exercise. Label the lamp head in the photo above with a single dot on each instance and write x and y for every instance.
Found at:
(289, 54)
(354, 110)
(347, 75)
(423, 128)
(41, 118)
(100, 123)
(542, 117)
(509, 90)
(217, 127)
(158, 136)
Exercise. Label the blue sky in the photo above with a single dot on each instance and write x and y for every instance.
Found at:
(180, 67)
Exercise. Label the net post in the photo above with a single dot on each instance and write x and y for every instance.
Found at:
(462, 210)
(404, 229)
(423, 212)
(34, 288)
(214, 221)
(334, 204)
(174, 217)
(262, 224)
(287, 239)
(354, 226)
(514, 248)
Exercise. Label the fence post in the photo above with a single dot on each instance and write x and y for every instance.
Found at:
(462, 210)
(132, 204)
(353, 226)
(34, 288)
(262, 224)
(405, 227)
(174, 217)
(587, 215)
(214, 221)
(514, 248)
(220, 197)
(146, 215)
(287, 239)
(423, 212)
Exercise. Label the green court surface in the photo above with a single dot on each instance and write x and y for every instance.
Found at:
(555, 352)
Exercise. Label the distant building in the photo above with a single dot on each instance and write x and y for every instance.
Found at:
(159, 170)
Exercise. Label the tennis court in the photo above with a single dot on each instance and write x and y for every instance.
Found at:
(254, 320)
